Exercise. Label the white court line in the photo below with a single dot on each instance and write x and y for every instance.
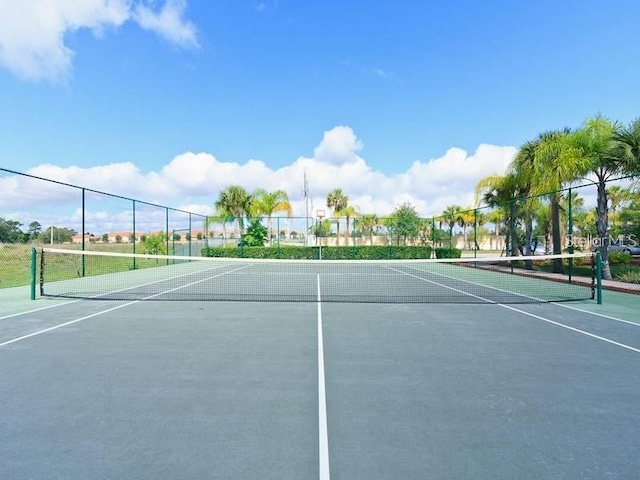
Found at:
(588, 334)
(527, 296)
(38, 309)
(608, 317)
(441, 284)
(598, 337)
(168, 278)
(322, 399)
(39, 332)
(105, 294)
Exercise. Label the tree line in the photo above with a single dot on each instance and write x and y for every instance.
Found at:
(534, 191)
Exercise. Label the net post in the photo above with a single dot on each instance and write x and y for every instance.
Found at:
(166, 230)
(190, 235)
(277, 235)
(133, 211)
(475, 232)
(34, 259)
(433, 236)
(570, 232)
(83, 230)
(598, 278)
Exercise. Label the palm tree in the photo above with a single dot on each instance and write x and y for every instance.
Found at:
(268, 203)
(618, 196)
(597, 144)
(556, 163)
(338, 201)
(222, 218)
(367, 224)
(626, 146)
(501, 192)
(450, 217)
(348, 212)
(522, 167)
(234, 201)
(463, 220)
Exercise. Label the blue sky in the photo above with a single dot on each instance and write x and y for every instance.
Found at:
(391, 101)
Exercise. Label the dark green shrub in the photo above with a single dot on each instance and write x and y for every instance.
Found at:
(619, 258)
(328, 253)
(448, 253)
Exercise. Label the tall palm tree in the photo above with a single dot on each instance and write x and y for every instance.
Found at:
(338, 201)
(450, 217)
(348, 212)
(606, 158)
(523, 168)
(268, 203)
(463, 220)
(556, 163)
(501, 192)
(236, 202)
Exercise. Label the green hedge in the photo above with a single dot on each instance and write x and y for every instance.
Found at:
(448, 253)
(328, 253)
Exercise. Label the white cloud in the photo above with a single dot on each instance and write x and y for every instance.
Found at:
(32, 32)
(192, 182)
(339, 145)
(169, 23)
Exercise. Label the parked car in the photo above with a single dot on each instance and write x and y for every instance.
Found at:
(632, 248)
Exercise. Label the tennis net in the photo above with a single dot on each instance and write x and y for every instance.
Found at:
(118, 276)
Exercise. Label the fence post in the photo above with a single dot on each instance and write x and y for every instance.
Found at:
(475, 232)
(598, 278)
(570, 233)
(82, 263)
(134, 232)
(34, 258)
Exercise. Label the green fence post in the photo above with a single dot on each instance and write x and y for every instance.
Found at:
(598, 278)
(34, 259)
(134, 232)
(433, 237)
(475, 232)
(277, 235)
(570, 232)
(84, 233)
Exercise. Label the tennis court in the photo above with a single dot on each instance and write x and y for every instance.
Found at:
(312, 384)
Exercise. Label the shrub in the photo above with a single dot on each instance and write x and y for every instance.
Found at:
(448, 253)
(631, 275)
(328, 253)
(619, 258)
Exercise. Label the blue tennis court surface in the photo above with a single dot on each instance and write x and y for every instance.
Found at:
(232, 390)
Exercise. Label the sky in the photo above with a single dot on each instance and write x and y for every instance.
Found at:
(170, 101)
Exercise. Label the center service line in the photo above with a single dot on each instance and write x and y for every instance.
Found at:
(322, 400)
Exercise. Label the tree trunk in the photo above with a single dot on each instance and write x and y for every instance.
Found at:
(558, 267)
(602, 224)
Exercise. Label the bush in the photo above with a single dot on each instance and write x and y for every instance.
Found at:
(629, 276)
(619, 258)
(626, 273)
(448, 253)
(328, 253)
